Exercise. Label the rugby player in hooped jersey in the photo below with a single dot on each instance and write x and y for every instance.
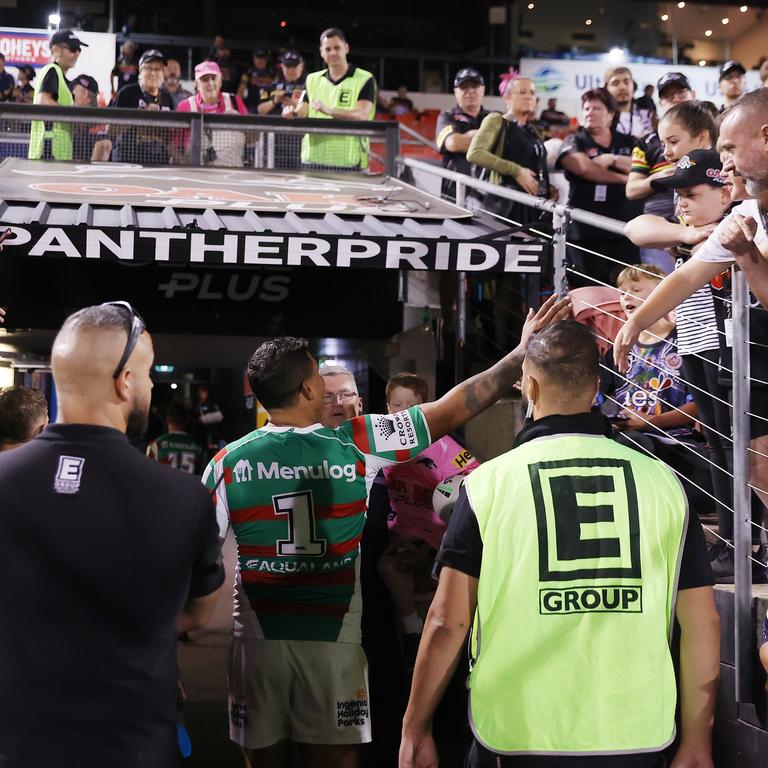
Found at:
(295, 494)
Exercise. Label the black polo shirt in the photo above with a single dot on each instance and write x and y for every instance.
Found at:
(455, 120)
(606, 199)
(99, 550)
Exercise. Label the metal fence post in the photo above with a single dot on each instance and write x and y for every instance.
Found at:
(461, 194)
(392, 143)
(461, 324)
(196, 139)
(559, 231)
(744, 637)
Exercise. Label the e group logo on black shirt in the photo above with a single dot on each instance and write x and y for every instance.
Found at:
(588, 529)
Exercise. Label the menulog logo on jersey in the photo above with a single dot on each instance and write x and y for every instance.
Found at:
(324, 471)
(394, 432)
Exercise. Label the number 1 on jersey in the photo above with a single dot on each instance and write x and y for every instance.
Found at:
(301, 525)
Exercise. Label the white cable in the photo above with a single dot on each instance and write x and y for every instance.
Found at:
(674, 344)
(724, 402)
(650, 453)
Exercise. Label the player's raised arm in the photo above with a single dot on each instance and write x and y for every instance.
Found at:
(476, 394)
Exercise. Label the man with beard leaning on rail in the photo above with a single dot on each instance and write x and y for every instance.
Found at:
(295, 493)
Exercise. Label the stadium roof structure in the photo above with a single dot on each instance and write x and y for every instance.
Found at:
(242, 218)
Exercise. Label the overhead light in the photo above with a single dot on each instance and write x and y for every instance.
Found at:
(665, 17)
(681, 4)
(588, 22)
(744, 8)
(174, 385)
(726, 20)
(616, 54)
(702, 62)
(708, 33)
(54, 19)
(531, 6)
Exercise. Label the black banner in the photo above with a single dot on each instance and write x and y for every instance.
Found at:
(272, 250)
(41, 293)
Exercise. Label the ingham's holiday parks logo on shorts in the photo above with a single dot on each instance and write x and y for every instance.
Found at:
(69, 473)
(354, 712)
(394, 432)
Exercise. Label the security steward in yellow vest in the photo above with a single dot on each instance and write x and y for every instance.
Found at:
(49, 140)
(571, 555)
(341, 92)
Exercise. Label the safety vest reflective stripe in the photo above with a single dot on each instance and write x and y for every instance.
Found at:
(59, 134)
(344, 151)
(582, 539)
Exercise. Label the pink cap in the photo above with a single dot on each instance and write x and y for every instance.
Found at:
(207, 68)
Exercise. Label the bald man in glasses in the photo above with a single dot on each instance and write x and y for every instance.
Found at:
(104, 557)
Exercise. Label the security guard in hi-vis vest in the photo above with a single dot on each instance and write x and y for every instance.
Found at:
(50, 140)
(571, 555)
(341, 92)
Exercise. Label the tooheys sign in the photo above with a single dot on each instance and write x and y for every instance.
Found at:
(273, 250)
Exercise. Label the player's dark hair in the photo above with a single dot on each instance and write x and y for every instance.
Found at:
(332, 32)
(694, 116)
(277, 369)
(20, 410)
(178, 415)
(603, 95)
(410, 381)
(566, 354)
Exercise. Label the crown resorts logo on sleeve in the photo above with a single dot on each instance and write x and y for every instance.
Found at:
(394, 432)
(69, 473)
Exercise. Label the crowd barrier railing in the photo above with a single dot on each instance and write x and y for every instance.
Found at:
(230, 140)
(741, 412)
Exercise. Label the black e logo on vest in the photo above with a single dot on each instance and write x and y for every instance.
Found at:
(345, 98)
(587, 519)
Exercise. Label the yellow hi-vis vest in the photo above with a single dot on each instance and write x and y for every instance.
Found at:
(60, 134)
(582, 542)
(336, 150)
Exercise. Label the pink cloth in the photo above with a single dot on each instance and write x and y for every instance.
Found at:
(219, 107)
(412, 484)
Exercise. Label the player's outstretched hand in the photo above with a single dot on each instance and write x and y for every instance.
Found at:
(622, 345)
(551, 311)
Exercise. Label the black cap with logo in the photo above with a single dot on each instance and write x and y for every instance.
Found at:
(730, 67)
(699, 166)
(68, 39)
(467, 74)
(152, 55)
(678, 79)
(291, 58)
(88, 82)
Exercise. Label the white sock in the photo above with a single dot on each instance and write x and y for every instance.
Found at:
(412, 625)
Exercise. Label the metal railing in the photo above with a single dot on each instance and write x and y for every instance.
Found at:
(744, 633)
(232, 140)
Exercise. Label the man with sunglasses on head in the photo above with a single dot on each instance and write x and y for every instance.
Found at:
(104, 558)
(50, 140)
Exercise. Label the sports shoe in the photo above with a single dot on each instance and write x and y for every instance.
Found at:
(721, 559)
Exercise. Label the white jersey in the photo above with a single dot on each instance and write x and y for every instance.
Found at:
(713, 250)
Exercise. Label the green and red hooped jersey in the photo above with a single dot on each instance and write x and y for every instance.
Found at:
(179, 450)
(296, 499)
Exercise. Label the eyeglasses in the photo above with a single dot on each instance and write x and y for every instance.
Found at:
(344, 398)
(137, 328)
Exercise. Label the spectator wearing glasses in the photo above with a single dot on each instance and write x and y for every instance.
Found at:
(23, 416)
(146, 144)
(456, 127)
(221, 147)
(122, 552)
(52, 140)
(342, 401)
